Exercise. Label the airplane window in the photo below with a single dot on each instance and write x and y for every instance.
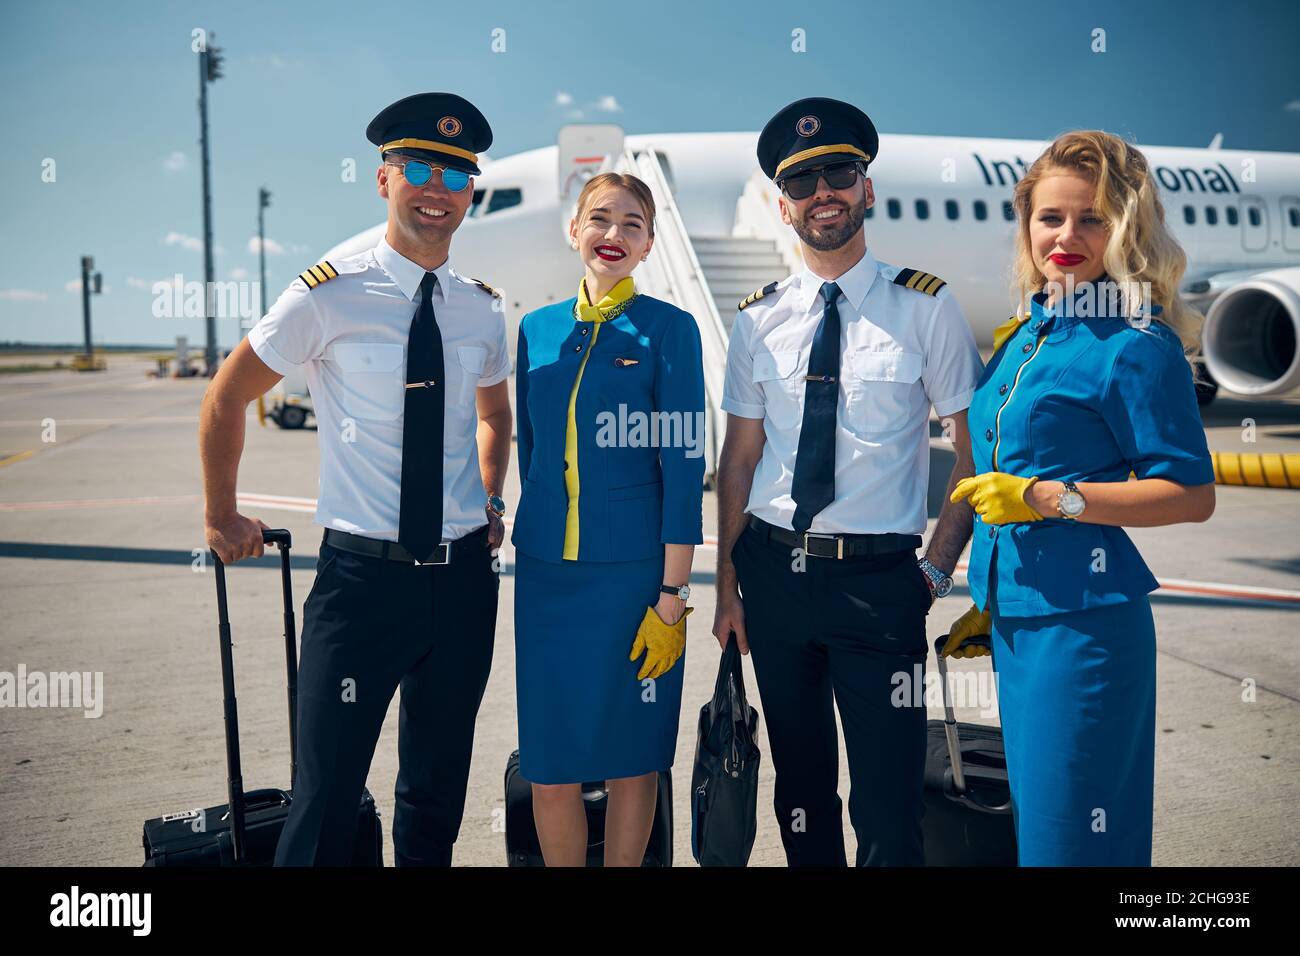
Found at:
(1253, 215)
(922, 209)
(895, 208)
(1294, 215)
(504, 199)
(981, 210)
(1231, 214)
(476, 203)
(1008, 211)
(950, 208)
(1189, 215)
(1211, 216)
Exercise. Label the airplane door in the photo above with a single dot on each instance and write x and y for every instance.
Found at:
(1254, 224)
(1291, 223)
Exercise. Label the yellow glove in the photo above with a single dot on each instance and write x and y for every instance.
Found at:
(997, 497)
(662, 643)
(974, 623)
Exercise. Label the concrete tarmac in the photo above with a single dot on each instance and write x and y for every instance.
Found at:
(101, 540)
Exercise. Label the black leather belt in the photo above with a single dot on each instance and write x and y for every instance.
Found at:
(392, 551)
(839, 546)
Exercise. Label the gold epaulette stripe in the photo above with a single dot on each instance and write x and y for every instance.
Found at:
(321, 272)
(486, 288)
(919, 281)
(755, 296)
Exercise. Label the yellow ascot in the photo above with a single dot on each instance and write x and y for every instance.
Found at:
(621, 292)
(1007, 329)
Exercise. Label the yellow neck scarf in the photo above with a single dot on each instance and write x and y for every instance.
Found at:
(621, 292)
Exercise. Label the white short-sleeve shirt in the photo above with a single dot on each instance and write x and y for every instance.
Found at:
(350, 333)
(901, 352)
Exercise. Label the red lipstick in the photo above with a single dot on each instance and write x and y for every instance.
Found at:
(1066, 259)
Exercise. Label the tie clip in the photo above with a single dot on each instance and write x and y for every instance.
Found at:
(427, 384)
(810, 378)
(622, 362)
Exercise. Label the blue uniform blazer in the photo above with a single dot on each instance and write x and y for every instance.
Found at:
(1070, 398)
(640, 487)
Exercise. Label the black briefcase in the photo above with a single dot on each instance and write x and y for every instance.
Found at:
(724, 781)
(523, 849)
(968, 819)
(245, 830)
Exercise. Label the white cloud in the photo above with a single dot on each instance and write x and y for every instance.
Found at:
(563, 99)
(1293, 106)
(191, 243)
(25, 295)
(75, 286)
(176, 162)
(273, 248)
(607, 104)
(238, 273)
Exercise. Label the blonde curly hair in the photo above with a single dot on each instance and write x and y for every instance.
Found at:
(1139, 248)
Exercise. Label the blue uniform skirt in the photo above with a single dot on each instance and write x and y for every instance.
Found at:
(1077, 698)
(583, 715)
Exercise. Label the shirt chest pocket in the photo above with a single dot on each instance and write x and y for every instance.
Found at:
(373, 377)
(776, 374)
(880, 391)
(464, 375)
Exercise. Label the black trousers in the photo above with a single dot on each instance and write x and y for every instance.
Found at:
(848, 632)
(371, 625)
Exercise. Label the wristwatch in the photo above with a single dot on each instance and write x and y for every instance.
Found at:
(496, 505)
(1070, 502)
(940, 583)
(683, 592)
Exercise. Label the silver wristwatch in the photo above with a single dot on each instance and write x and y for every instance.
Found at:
(940, 583)
(1070, 502)
(682, 592)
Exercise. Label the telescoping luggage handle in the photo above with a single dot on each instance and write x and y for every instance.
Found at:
(949, 719)
(282, 539)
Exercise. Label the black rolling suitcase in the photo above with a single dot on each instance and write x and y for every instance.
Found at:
(522, 848)
(245, 830)
(968, 819)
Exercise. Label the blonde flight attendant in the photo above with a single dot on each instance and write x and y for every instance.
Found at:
(1084, 422)
(610, 392)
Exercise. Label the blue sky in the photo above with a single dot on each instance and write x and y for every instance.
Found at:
(108, 91)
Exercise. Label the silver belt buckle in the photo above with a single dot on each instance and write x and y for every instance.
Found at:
(839, 544)
(445, 560)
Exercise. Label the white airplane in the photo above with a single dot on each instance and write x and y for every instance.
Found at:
(942, 206)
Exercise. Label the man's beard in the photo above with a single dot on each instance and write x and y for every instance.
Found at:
(824, 239)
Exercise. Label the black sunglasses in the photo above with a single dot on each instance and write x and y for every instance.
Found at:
(803, 184)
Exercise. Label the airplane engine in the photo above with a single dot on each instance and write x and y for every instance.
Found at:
(1250, 335)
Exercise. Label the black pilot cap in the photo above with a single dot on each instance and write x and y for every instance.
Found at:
(814, 132)
(441, 127)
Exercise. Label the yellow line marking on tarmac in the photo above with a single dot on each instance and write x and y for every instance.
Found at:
(20, 456)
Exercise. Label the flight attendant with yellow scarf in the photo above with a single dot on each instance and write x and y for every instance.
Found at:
(610, 398)
(1084, 422)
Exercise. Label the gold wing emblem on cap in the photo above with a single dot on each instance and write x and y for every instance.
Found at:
(919, 281)
(321, 272)
(756, 295)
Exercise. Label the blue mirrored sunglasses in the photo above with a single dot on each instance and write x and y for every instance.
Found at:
(418, 173)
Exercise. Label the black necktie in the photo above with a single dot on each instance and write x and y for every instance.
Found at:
(419, 527)
(813, 487)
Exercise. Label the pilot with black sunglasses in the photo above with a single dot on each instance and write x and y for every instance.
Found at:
(406, 361)
(831, 376)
